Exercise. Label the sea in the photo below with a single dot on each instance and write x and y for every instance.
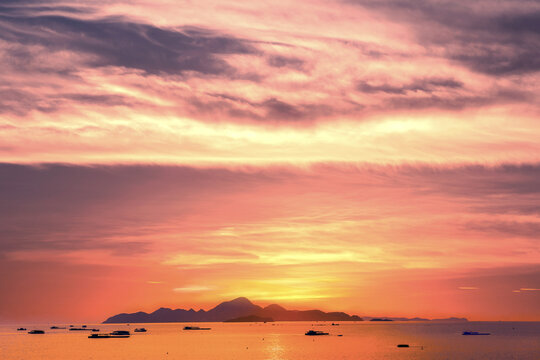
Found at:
(278, 340)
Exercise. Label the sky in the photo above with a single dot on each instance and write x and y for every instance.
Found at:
(379, 157)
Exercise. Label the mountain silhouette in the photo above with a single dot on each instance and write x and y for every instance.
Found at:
(250, 318)
(237, 308)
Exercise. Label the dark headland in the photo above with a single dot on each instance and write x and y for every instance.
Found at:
(240, 309)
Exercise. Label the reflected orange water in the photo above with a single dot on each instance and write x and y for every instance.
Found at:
(281, 341)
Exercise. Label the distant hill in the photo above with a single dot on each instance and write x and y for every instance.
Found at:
(451, 319)
(237, 308)
(279, 313)
(250, 318)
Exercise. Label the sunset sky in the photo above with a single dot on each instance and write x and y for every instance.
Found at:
(379, 157)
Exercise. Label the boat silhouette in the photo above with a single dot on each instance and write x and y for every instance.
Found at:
(120, 333)
(114, 334)
(36, 332)
(195, 328)
(316, 333)
(140, 330)
(474, 333)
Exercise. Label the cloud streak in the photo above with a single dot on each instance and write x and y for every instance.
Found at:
(192, 289)
(492, 37)
(118, 42)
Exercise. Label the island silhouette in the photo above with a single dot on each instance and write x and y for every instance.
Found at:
(240, 310)
(230, 310)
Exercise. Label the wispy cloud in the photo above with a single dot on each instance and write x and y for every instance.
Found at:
(192, 289)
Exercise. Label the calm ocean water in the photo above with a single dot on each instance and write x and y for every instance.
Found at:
(368, 340)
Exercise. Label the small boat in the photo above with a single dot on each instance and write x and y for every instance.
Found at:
(140, 330)
(36, 332)
(21, 329)
(83, 326)
(56, 327)
(474, 333)
(195, 328)
(402, 345)
(114, 334)
(335, 324)
(316, 333)
(120, 334)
